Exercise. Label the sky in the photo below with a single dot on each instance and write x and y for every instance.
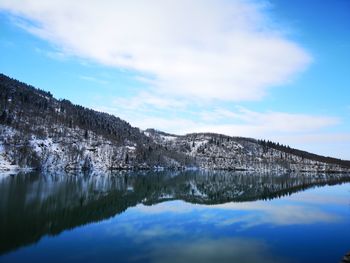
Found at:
(276, 70)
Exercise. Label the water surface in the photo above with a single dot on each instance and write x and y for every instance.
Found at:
(174, 217)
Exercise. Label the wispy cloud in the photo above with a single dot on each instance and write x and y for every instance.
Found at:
(209, 250)
(146, 101)
(272, 120)
(258, 213)
(94, 79)
(57, 55)
(226, 50)
(238, 122)
(276, 215)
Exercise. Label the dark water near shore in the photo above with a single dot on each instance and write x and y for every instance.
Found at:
(174, 217)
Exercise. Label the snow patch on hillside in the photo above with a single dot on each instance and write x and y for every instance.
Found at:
(7, 166)
(73, 152)
(195, 191)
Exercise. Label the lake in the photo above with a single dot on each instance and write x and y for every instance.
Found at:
(189, 216)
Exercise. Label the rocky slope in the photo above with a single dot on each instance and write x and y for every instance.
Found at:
(39, 131)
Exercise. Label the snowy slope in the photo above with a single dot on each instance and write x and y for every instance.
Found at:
(39, 131)
(73, 152)
(215, 151)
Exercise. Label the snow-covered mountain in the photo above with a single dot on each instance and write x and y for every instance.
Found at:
(221, 152)
(39, 131)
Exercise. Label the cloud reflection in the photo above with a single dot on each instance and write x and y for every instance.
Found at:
(247, 214)
(281, 214)
(210, 250)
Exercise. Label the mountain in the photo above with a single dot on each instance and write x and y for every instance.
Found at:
(221, 152)
(39, 131)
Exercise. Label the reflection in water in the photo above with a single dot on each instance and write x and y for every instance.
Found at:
(209, 250)
(33, 205)
(346, 258)
(265, 213)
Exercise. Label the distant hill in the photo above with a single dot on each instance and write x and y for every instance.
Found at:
(217, 151)
(39, 131)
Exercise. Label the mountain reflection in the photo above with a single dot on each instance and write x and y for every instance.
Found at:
(34, 205)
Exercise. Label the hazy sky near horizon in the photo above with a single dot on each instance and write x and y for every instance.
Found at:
(277, 70)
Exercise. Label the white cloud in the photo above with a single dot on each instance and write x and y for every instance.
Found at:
(205, 49)
(213, 250)
(271, 120)
(145, 101)
(240, 122)
(333, 143)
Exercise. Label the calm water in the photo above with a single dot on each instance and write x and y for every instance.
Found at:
(174, 217)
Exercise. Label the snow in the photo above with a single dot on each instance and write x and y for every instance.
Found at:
(6, 167)
(168, 137)
(68, 153)
(214, 152)
(166, 196)
(75, 152)
(195, 191)
(160, 137)
(131, 148)
(197, 145)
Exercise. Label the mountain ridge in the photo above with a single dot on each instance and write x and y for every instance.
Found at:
(39, 131)
(262, 142)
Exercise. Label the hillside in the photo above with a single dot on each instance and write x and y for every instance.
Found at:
(39, 131)
(217, 151)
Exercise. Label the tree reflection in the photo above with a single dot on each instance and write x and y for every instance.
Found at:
(35, 205)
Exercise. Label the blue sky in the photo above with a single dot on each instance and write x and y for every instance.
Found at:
(276, 70)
